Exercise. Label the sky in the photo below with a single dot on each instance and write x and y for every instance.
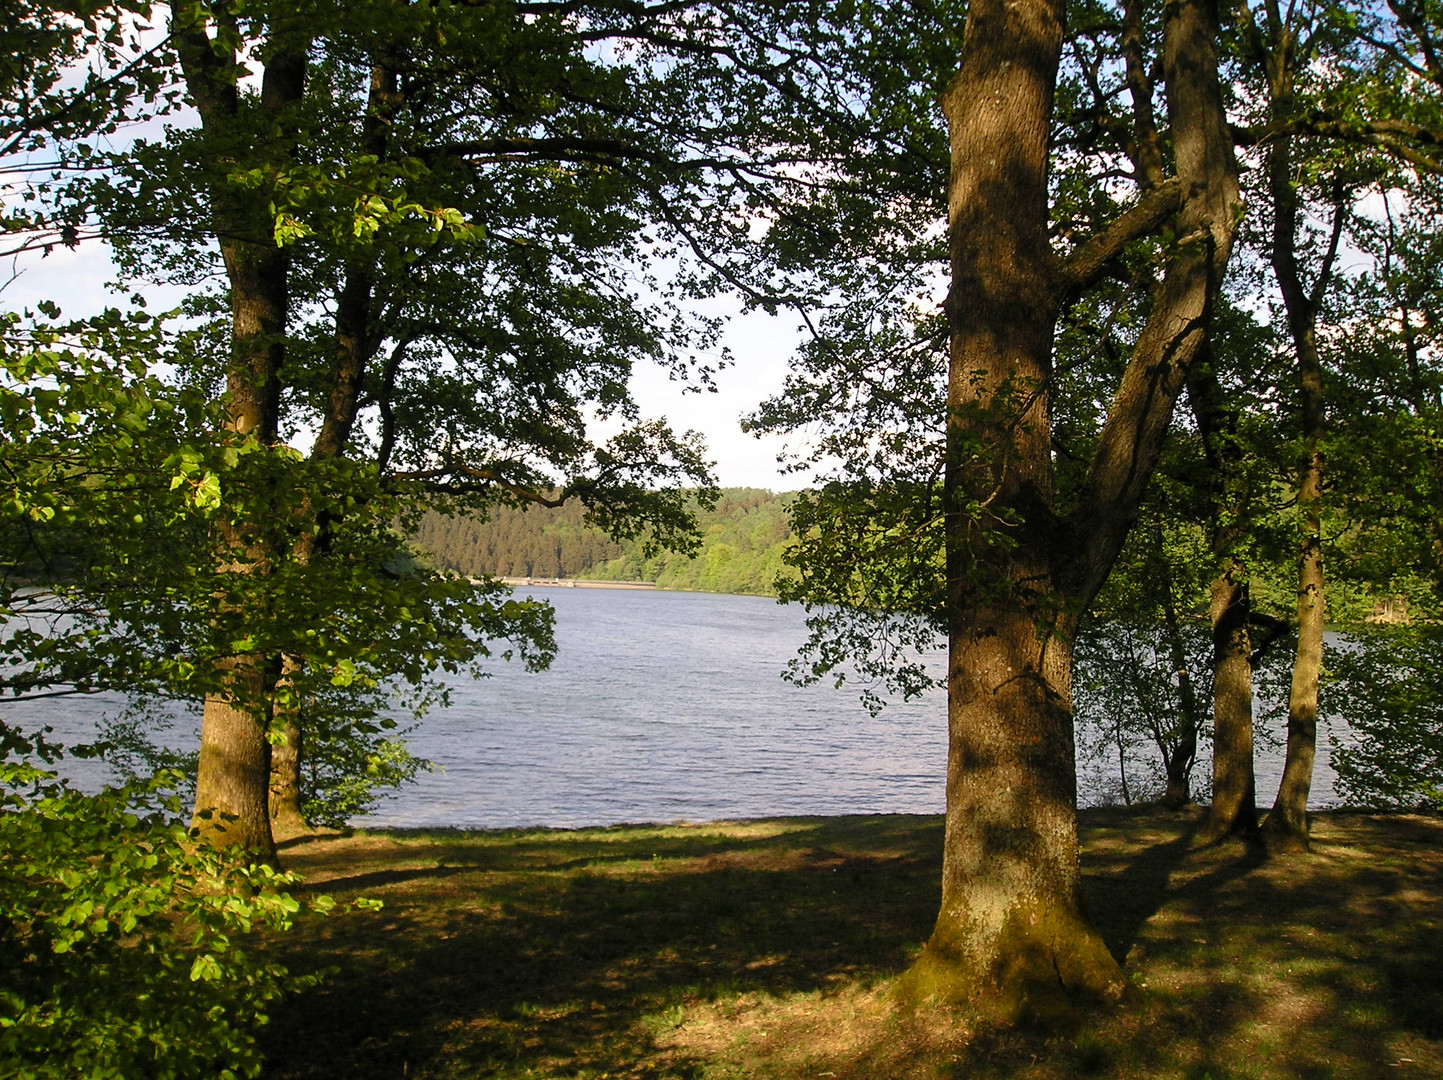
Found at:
(761, 345)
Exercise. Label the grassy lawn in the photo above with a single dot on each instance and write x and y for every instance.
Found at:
(764, 948)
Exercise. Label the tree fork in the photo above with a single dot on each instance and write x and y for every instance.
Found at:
(1010, 939)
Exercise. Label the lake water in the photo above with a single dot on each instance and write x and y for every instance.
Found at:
(661, 706)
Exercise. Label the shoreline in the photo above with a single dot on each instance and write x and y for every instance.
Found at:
(1087, 816)
(571, 583)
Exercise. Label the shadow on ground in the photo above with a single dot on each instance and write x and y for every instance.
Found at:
(716, 952)
(564, 954)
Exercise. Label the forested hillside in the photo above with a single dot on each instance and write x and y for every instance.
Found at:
(742, 543)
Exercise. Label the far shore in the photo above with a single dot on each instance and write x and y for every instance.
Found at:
(572, 583)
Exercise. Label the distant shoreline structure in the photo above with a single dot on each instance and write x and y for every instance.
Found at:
(572, 583)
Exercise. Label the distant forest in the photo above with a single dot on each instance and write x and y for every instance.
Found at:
(742, 543)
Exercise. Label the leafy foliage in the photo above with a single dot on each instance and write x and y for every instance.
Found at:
(119, 937)
(113, 577)
(1388, 682)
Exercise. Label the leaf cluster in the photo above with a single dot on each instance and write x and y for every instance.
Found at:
(121, 940)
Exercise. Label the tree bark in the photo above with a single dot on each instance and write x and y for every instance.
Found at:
(1234, 808)
(1011, 938)
(235, 760)
(288, 819)
(233, 774)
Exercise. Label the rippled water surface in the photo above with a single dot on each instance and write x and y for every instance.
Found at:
(663, 706)
(666, 706)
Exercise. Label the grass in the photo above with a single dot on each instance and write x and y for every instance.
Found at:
(764, 948)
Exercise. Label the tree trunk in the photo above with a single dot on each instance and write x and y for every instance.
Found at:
(287, 819)
(355, 346)
(1178, 762)
(1178, 744)
(233, 776)
(1011, 939)
(1234, 808)
(234, 769)
(1287, 825)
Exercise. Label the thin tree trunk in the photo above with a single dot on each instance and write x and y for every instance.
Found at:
(233, 771)
(1287, 825)
(1234, 807)
(1178, 758)
(356, 345)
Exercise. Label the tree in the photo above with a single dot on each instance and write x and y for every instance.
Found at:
(104, 506)
(103, 895)
(1142, 674)
(1028, 540)
(1387, 394)
(373, 141)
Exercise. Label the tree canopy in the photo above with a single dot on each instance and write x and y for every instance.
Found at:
(1043, 252)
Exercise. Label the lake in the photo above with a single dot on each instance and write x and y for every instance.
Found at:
(660, 707)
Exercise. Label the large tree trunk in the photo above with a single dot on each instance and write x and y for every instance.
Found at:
(1011, 937)
(233, 775)
(235, 761)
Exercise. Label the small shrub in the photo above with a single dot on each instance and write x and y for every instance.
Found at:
(117, 936)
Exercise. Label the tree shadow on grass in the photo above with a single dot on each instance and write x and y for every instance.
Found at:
(485, 967)
(564, 956)
(557, 850)
(1131, 858)
(1299, 967)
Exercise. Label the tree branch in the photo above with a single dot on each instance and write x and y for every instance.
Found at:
(1390, 135)
(1089, 259)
